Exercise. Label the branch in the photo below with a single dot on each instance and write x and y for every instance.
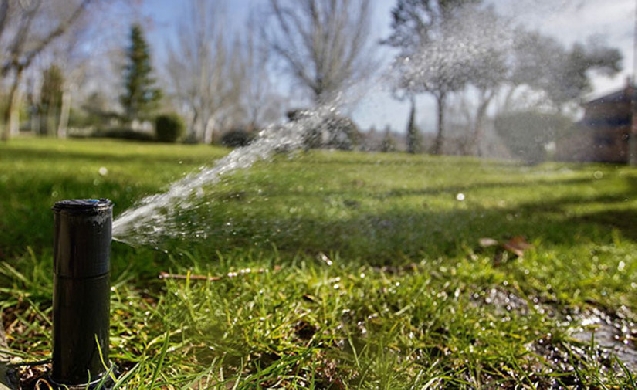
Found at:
(4, 12)
(28, 57)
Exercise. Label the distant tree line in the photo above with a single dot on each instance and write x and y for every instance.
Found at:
(59, 69)
(445, 49)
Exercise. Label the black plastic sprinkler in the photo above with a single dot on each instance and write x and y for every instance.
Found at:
(81, 296)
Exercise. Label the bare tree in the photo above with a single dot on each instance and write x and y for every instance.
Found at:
(27, 28)
(260, 103)
(323, 45)
(197, 67)
(70, 53)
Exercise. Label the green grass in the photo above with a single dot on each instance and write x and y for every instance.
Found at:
(366, 271)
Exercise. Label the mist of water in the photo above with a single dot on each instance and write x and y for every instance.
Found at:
(152, 217)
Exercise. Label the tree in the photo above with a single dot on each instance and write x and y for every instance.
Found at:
(140, 95)
(198, 68)
(260, 102)
(543, 64)
(565, 74)
(72, 54)
(388, 143)
(26, 30)
(436, 51)
(324, 46)
(489, 67)
(417, 22)
(51, 94)
(414, 138)
(218, 78)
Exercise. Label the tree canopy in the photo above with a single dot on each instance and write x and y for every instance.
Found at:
(563, 73)
(451, 46)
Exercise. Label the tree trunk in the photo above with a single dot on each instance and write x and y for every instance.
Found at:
(51, 122)
(65, 110)
(411, 128)
(14, 115)
(478, 132)
(191, 131)
(208, 131)
(11, 116)
(441, 98)
(35, 122)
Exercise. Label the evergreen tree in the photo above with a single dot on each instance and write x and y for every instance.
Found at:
(50, 98)
(140, 96)
(414, 138)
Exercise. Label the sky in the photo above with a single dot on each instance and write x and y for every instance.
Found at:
(568, 20)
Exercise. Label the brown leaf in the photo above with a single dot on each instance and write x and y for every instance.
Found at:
(517, 245)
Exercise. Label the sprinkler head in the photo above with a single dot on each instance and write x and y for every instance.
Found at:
(81, 295)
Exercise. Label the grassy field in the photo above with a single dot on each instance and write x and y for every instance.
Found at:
(340, 270)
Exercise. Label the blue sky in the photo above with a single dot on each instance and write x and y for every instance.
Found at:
(568, 20)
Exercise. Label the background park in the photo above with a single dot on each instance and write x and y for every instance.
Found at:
(487, 243)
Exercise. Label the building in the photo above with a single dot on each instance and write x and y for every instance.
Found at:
(603, 133)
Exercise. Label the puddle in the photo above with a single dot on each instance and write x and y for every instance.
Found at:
(612, 334)
(596, 334)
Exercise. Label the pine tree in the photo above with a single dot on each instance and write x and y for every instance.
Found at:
(414, 138)
(140, 96)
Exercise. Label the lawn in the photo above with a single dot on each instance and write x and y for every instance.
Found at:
(339, 270)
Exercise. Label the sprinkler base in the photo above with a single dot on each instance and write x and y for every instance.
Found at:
(106, 382)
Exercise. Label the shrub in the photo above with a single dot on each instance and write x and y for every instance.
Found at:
(526, 133)
(331, 131)
(168, 127)
(237, 138)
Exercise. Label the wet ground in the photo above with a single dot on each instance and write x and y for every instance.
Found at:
(595, 334)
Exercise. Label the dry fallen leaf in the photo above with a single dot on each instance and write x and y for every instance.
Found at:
(517, 245)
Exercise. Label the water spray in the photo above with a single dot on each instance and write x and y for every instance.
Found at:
(81, 295)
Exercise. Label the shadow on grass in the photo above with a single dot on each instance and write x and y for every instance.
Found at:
(407, 235)
(385, 236)
(30, 154)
